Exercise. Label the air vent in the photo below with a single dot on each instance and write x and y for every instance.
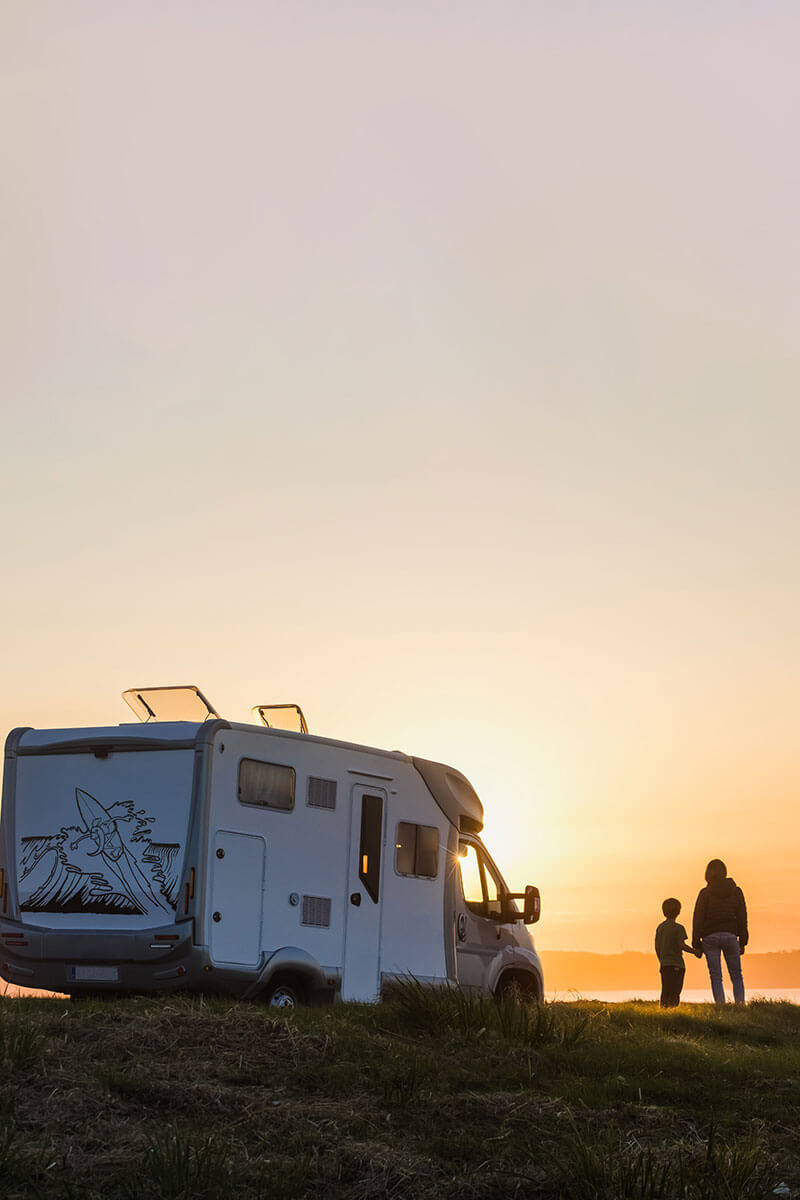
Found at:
(321, 792)
(316, 911)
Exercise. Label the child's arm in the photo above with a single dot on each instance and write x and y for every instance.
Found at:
(687, 948)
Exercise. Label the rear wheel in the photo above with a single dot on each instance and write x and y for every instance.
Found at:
(286, 994)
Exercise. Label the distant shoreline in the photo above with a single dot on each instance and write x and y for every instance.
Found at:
(582, 971)
(688, 995)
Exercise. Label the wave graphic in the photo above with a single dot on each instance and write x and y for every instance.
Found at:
(166, 869)
(54, 885)
(108, 864)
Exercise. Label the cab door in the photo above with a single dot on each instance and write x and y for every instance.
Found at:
(480, 936)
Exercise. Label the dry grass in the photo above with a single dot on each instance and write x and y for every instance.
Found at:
(422, 1096)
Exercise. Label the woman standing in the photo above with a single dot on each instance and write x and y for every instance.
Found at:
(719, 927)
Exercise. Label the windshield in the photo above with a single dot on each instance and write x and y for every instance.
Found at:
(482, 885)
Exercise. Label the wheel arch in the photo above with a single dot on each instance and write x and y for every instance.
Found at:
(526, 979)
(296, 967)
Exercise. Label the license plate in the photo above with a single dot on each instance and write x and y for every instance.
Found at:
(94, 974)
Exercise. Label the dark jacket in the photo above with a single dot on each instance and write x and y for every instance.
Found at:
(720, 908)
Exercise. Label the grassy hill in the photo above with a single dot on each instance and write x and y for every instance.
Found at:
(428, 1095)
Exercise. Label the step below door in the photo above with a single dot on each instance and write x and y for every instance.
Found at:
(237, 898)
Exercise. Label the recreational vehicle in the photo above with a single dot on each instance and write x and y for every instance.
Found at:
(187, 851)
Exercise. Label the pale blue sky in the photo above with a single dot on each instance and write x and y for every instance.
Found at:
(435, 368)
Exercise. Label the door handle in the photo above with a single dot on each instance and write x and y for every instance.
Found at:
(461, 927)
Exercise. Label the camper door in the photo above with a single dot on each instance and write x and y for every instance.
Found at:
(237, 897)
(360, 978)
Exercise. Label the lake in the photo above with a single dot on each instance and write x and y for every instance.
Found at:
(688, 995)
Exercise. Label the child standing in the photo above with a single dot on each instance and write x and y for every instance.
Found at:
(671, 942)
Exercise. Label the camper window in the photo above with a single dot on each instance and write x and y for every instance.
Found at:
(267, 785)
(369, 859)
(417, 850)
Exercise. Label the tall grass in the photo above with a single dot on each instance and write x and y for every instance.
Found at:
(435, 1011)
(453, 1012)
(526, 1023)
(611, 1169)
(21, 1039)
(180, 1166)
(9, 1152)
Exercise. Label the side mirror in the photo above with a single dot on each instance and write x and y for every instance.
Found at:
(532, 909)
(533, 905)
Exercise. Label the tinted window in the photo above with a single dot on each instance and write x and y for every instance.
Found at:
(267, 785)
(427, 851)
(417, 850)
(369, 859)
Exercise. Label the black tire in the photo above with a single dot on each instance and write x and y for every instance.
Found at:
(285, 994)
(519, 986)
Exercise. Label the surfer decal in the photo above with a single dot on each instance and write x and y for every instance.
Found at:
(108, 863)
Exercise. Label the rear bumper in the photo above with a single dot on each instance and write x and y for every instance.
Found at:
(106, 960)
(150, 960)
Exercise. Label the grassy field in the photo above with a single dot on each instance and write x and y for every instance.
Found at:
(428, 1095)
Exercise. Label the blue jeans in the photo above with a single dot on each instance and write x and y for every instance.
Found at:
(714, 945)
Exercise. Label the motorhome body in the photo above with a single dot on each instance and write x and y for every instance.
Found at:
(257, 861)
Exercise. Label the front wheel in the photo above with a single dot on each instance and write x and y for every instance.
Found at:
(520, 987)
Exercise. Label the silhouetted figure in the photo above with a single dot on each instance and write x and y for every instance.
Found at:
(719, 927)
(671, 942)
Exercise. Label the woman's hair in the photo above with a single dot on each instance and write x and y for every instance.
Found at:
(716, 869)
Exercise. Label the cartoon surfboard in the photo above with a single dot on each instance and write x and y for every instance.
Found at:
(101, 828)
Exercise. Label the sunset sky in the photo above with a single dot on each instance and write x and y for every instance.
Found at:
(435, 366)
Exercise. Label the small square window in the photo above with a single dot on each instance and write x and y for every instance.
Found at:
(266, 785)
(417, 850)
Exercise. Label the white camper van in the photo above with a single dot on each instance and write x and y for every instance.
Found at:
(187, 851)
